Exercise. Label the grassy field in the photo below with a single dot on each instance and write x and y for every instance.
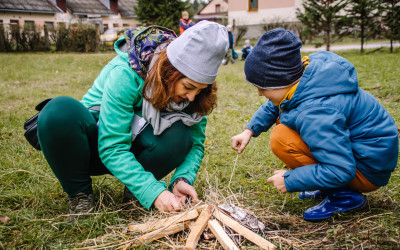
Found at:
(32, 197)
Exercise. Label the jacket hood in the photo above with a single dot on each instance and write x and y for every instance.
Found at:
(327, 74)
(121, 47)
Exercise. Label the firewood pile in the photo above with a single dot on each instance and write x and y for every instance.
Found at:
(226, 223)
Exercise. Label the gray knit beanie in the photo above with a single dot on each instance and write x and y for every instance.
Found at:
(199, 51)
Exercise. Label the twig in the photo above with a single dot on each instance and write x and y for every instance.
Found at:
(233, 170)
(370, 229)
(26, 171)
(376, 215)
(69, 215)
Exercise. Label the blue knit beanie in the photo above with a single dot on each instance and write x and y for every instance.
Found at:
(275, 61)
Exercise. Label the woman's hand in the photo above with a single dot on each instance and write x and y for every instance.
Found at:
(182, 190)
(240, 141)
(278, 180)
(167, 202)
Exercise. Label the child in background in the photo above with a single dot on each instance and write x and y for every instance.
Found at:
(185, 23)
(230, 52)
(246, 49)
(336, 138)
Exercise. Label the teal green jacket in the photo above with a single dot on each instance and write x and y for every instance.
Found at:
(118, 89)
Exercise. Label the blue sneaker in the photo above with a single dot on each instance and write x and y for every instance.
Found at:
(315, 195)
(336, 202)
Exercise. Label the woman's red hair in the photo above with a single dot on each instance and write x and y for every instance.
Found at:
(162, 80)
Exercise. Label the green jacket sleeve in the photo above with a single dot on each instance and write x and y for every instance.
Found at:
(190, 166)
(122, 89)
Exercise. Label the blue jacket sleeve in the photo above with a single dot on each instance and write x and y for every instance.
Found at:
(263, 119)
(324, 130)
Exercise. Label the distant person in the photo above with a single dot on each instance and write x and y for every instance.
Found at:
(246, 49)
(336, 138)
(230, 52)
(144, 117)
(185, 23)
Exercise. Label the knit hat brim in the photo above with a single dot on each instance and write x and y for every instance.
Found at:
(199, 51)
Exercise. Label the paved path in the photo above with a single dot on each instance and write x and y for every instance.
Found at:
(350, 46)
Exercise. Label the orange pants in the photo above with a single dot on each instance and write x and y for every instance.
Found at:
(288, 146)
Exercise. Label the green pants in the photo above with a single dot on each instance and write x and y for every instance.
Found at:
(68, 136)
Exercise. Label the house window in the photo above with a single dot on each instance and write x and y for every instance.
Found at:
(217, 8)
(115, 25)
(14, 22)
(253, 5)
(105, 25)
(1, 21)
(29, 25)
(49, 25)
(125, 25)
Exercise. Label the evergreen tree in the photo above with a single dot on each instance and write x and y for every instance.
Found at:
(323, 16)
(164, 13)
(391, 17)
(364, 15)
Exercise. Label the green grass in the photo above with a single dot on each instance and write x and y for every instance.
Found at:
(32, 197)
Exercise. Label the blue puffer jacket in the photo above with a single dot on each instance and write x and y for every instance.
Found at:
(344, 126)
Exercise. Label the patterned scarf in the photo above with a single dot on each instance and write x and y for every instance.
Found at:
(144, 46)
(142, 43)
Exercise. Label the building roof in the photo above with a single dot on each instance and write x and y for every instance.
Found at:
(211, 16)
(38, 6)
(88, 7)
(125, 8)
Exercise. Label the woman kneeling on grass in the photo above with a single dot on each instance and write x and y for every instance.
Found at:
(155, 79)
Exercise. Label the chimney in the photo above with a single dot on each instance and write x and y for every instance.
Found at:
(114, 6)
(62, 4)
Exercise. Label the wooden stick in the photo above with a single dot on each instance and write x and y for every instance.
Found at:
(162, 232)
(225, 241)
(199, 226)
(154, 225)
(248, 234)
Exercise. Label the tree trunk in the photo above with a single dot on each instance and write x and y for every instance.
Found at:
(391, 45)
(362, 38)
(327, 39)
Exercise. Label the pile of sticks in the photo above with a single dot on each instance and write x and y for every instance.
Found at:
(197, 220)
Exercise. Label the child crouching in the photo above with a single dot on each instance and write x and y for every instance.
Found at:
(336, 138)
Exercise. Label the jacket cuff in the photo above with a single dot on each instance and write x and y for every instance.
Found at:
(188, 178)
(288, 187)
(152, 192)
(255, 129)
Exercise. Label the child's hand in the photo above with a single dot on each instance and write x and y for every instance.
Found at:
(278, 180)
(240, 141)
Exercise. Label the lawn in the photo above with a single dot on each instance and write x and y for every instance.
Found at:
(32, 197)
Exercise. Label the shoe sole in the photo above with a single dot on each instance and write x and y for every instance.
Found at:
(360, 208)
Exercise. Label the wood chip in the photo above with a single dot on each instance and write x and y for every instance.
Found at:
(199, 226)
(225, 241)
(4, 219)
(154, 225)
(245, 232)
(162, 232)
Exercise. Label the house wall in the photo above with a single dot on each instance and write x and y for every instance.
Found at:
(119, 22)
(269, 11)
(210, 8)
(38, 18)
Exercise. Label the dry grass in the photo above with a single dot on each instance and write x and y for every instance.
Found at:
(32, 197)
